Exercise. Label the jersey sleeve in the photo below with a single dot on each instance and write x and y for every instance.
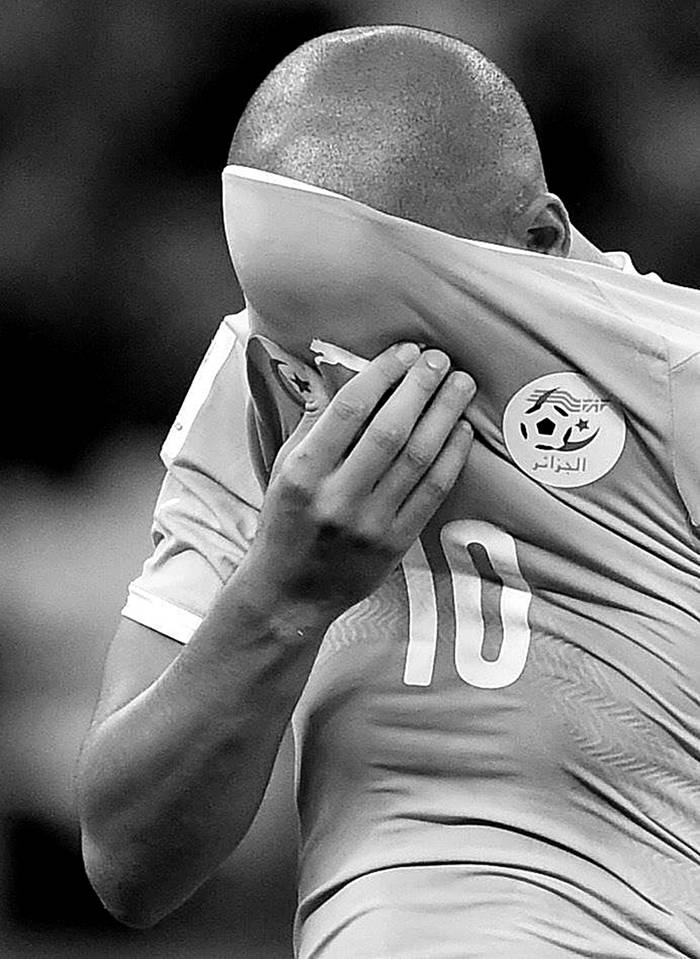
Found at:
(206, 513)
(685, 403)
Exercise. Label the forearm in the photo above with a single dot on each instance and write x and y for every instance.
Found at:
(170, 783)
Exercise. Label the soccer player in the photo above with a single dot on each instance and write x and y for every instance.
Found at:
(498, 741)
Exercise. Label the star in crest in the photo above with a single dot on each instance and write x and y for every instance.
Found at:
(302, 385)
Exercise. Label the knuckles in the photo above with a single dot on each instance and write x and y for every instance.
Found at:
(418, 457)
(333, 517)
(338, 523)
(436, 487)
(388, 439)
(349, 410)
(295, 477)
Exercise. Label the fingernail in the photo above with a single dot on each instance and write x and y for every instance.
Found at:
(464, 383)
(408, 352)
(436, 360)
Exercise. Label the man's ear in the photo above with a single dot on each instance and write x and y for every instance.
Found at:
(544, 227)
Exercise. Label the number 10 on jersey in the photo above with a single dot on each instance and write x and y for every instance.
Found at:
(515, 596)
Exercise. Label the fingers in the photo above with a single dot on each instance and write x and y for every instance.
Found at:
(425, 441)
(392, 426)
(311, 416)
(353, 406)
(436, 483)
(404, 457)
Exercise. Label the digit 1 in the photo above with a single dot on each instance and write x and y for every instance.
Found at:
(422, 617)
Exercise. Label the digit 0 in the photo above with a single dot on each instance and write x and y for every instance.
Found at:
(467, 586)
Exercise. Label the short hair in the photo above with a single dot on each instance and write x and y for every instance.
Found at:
(410, 121)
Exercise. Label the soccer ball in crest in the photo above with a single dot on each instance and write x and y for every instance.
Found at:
(562, 431)
(554, 422)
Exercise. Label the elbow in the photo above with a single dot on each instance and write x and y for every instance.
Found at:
(127, 885)
(132, 915)
(128, 897)
(129, 904)
(136, 918)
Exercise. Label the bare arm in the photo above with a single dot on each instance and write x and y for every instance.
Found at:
(177, 760)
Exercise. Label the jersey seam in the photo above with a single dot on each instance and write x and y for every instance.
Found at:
(155, 603)
(681, 363)
(149, 595)
(193, 402)
(665, 356)
(674, 456)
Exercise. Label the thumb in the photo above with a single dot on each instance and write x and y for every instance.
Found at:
(315, 406)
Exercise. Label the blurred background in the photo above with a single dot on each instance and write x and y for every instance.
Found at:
(116, 119)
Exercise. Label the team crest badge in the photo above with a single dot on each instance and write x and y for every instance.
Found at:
(562, 432)
(295, 384)
(270, 364)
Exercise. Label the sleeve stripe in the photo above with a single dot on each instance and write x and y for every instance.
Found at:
(215, 357)
(159, 614)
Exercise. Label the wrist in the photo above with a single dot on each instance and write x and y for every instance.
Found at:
(273, 609)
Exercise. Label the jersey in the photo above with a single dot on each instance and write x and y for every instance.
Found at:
(498, 750)
(206, 513)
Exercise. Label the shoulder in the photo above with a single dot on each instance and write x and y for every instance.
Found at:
(239, 326)
(685, 400)
(219, 387)
(622, 261)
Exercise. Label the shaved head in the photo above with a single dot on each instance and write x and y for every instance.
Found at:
(408, 121)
